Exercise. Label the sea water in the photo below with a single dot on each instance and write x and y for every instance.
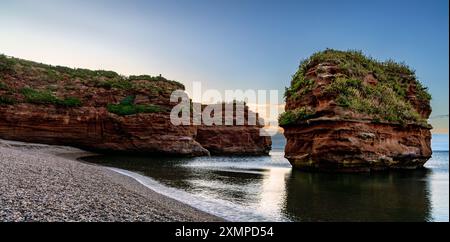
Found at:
(267, 189)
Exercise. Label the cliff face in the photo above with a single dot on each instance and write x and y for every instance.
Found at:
(103, 111)
(346, 112)
(97, 129)
(234, 139)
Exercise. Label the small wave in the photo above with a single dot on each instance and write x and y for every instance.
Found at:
(224, 209)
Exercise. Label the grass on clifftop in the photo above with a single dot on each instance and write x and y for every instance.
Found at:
(23, 81)
(127, 107)
(379, 101)
(387, 100)
(99, 78)
(354, 64)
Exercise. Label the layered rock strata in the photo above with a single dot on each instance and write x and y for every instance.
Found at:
(104, 111)
(349, 113)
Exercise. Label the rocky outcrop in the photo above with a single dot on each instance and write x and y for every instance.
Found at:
(349, 113)
(234, 139)
(96, 129)
(103, 111)
(353, 145)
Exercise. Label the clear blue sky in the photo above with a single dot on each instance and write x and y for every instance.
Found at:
(229, 44)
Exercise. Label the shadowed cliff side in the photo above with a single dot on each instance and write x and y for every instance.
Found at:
(235, 139)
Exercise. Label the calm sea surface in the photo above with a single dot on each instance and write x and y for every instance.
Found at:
(267, 189)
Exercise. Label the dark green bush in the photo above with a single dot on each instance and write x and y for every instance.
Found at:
(63, 69)
(127, 107)
(46, 97)
(104, 84)
(3, 86)
(122, 84)
(6, 64)
(39, 97)
(70, 102)
(6, 100)
(293, 116)
(108, 74)
(422, 92)
(145, 77)
(128, 100)
(130, 109)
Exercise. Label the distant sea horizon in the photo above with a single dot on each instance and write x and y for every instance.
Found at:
(439, 142)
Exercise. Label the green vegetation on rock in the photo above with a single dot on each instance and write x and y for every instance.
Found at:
(3, 86)
(70, 102)
(154, 79)
(147, 77)
(6, 64)
(115, 83)
(293, 116)
(386, 100)
(23, 81)
(99, 78)
(47, 97)
(38, 97)
(354, 64)
(127, 107)
(379, 101)
(4, 100)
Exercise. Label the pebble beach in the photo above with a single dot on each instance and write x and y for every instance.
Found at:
(46, 183)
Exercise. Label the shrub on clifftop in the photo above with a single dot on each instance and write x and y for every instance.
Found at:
(47, 97)
(392, 94)
(127, 107)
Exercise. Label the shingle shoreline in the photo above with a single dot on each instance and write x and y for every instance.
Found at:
(46, 183)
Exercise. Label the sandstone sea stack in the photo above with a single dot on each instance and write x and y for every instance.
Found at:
(350, 113)
(104, 111)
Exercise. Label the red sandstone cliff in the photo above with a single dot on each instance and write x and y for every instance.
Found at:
(346, 112)
(234, 139)
(103, 111)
